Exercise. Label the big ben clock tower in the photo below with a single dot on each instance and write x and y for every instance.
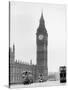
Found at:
(42, 42)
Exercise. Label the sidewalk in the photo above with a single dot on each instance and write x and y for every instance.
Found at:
(42, 84)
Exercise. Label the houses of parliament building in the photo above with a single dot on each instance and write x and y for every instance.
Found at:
(16, 68)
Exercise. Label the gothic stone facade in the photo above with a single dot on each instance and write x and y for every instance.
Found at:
(17, 68)
(38, 70)
(42, 41)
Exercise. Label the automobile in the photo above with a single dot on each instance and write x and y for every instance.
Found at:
(41, 78)
(27, 78)
(26, 81)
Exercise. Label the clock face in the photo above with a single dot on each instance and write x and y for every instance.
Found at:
(41, 37)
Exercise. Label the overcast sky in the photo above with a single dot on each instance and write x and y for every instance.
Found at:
(24, 23)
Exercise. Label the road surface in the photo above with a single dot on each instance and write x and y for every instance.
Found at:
(42, 84)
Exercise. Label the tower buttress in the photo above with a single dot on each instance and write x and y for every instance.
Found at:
(13, 51)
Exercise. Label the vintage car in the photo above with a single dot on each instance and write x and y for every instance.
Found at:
(27, 77)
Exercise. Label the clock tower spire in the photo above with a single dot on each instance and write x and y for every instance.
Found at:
(41, 41)
(42, 19)
(42, 27)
